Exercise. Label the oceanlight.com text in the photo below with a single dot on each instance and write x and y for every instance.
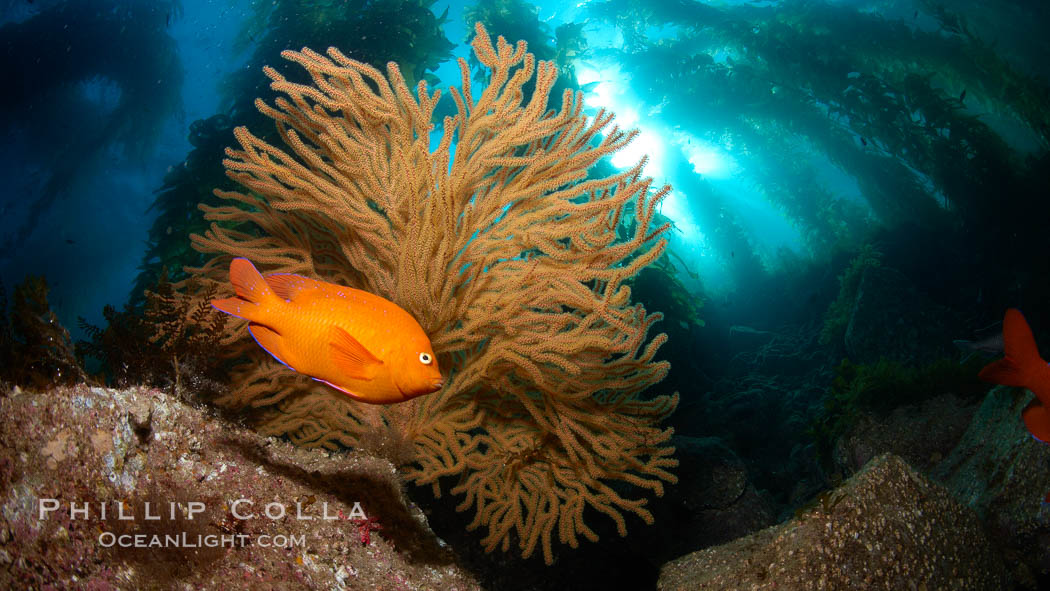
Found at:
(184, 540)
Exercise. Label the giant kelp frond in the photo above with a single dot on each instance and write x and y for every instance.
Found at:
(185, 185)
(899, 106)
(373, 32)
(50, 89)
(502, 248)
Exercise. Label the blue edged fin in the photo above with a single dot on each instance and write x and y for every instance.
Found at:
(350, 356)
(271, 342)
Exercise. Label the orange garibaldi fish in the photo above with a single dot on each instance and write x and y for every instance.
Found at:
(354, 341)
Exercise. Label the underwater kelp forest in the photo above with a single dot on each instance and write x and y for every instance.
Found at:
(621, 294)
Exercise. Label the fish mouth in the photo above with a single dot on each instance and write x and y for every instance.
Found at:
(430, 388)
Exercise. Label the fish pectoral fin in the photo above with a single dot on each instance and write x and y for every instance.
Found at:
(351, 357)
(271, 342)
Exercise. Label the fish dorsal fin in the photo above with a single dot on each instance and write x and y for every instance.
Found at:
(351, 357)
(287, 286)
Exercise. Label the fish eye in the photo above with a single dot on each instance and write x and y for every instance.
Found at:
(425, 358)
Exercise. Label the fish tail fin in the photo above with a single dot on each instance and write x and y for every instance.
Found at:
(253, 293)
(1020, 367)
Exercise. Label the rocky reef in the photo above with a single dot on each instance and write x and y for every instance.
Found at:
(139, 489)
(1003, 472)
(136, 489)
(945, 494)
(887, 527)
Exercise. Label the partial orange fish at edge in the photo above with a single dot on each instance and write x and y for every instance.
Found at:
(1022, 367)
(359, 343)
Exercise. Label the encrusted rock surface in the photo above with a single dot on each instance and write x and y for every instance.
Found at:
(923, 433)
(1003, 473)
(887, 527)
(713, 502)
(346, 522)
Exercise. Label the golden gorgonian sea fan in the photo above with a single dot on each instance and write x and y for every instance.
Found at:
(513, 260)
